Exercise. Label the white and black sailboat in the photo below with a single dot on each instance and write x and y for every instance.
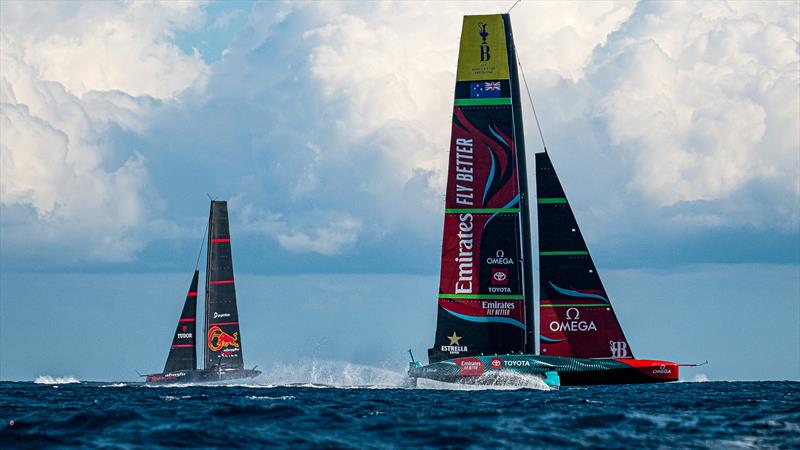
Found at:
(486, 322)
(222, 354)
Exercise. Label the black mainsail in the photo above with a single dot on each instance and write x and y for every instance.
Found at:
(182, 353)
(223, 349)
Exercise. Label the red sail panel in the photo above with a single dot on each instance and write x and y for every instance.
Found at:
(576, 316)
(481, 308)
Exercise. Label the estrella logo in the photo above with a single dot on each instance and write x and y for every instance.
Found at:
(218, 339)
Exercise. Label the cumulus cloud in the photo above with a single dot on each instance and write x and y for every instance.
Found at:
(690, 92)
(70, 73)
(327, 125)
(329, 239)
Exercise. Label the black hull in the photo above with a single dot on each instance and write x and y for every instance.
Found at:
(201, 376)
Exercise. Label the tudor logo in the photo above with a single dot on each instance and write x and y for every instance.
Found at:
(572, 322)
(662, 370)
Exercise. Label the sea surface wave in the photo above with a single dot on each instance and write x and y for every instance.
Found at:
(131, 415)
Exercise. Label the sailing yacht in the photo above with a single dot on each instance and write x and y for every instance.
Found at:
(222, 354)
(486, 321)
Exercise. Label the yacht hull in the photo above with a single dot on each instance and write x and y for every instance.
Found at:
(571, 371)
(200, 376)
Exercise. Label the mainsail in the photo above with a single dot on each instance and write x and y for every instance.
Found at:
(223, 339)
(481, 306)
(576, 317)
(182, 354)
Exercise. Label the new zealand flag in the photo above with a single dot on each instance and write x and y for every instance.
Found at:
(484, 89)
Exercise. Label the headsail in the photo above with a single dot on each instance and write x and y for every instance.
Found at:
(182, 354)
(223, 349)
(481, 293)
(576, 317)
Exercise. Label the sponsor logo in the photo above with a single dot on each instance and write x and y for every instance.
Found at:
(619, 349)
(512, 363)
(184, 335)
(184, 328)
(573, 322)
(218, 339)
(496, 363)
(470, 367)
(662, 370)
(454, 346)
(465, 255)
(499, 258)
(464, 170)
(485, 54)
(218, 315)
(229, 353)
(499, 308)
(500, 276)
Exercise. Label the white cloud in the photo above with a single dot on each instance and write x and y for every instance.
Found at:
(69, 72)
(691, 94)
(330, 239)
(343, 109)
(108, 46)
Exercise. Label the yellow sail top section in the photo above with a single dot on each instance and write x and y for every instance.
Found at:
(482, 54)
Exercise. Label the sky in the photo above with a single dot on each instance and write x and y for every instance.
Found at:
(675, 129)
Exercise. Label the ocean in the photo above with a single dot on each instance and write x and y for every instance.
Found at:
(64, 413)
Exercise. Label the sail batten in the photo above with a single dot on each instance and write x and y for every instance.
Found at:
(481, 302)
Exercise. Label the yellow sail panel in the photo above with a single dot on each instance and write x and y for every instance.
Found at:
(482, 54)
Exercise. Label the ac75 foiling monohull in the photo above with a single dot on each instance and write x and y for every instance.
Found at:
(223, 359)
(485, 323)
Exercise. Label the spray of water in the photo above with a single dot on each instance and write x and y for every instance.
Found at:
(47, 379)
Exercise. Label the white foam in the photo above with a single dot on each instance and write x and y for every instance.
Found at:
(47, 379)
(501, 381)
(267, 397)
(700, 378)
(115, 385)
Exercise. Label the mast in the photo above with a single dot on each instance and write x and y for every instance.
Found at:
(209, 227)
(519, 138)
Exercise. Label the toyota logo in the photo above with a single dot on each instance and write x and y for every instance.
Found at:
(499, 276)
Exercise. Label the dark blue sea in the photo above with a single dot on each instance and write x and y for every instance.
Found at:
(128, 416)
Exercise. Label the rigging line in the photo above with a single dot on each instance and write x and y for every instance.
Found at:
(530, 99)
(202, 244)
(512, 6)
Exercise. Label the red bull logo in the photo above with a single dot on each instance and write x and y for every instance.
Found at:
(218, 339)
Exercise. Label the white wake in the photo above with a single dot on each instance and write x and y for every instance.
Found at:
(47, 379)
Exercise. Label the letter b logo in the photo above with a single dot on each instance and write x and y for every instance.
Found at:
(485, 56)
